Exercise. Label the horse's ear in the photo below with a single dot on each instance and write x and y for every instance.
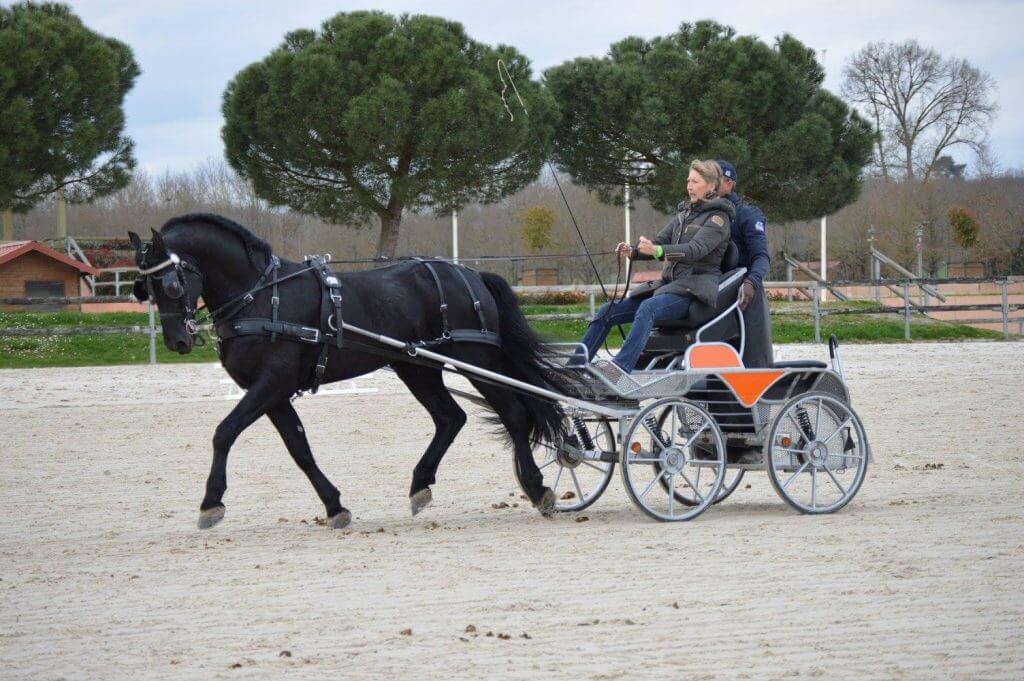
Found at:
(158, 241)
(136, 241)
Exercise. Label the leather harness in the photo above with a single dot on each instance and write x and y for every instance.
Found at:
(329, 330)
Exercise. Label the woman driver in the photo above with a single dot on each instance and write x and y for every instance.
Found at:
(692, 245)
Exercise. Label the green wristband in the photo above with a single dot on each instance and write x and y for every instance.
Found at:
(659, 253)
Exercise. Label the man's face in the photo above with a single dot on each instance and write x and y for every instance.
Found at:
(726, 186)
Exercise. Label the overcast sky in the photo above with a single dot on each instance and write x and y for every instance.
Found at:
(189, 49)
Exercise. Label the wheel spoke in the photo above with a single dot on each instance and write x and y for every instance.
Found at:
(557, 478)
(790, 450)
(644, 460)
(672, 433)
(694, 437)
(596, 468)
(817, 421)
(695, 490)
(576, 483)
(832, 475)
(793, 477)
(845, 423)
(796, 424)
(656, 436)
(652, 483)
(671, 494)
(814, 487)
(697, 477)
(547, 463)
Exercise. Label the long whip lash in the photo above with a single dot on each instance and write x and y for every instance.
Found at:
(506, 82)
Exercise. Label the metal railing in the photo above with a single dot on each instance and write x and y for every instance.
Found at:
(903, 286)
(818, 312)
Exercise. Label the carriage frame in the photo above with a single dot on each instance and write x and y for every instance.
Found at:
(670, 426)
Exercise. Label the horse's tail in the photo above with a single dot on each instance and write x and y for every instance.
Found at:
(524, 359)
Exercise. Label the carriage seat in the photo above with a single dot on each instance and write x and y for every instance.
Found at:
(800, 364)
(672, 335)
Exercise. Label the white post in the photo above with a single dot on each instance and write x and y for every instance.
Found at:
(626, 202)
(455, 236)
(824, 257)
(824, 223)
(152, 335)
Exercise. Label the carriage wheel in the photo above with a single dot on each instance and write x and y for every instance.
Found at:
(576, 482)
(817, 453)
(733, 478)
(660, 463)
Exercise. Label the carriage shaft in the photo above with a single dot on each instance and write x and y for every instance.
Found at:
(492, 375)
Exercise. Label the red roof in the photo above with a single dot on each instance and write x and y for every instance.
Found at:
(14, 249)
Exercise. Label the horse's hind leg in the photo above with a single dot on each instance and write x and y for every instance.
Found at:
(286, 420)
(516, 419)
(428, 388)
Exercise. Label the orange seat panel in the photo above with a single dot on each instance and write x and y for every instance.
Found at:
(714, 356)
(750, 385)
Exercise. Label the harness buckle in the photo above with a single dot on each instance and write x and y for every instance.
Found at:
(275, 301)
(336, 299)
(476, 305)
(248, 298)
(314, 338)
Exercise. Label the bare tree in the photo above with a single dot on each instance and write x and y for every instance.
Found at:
(923, 104)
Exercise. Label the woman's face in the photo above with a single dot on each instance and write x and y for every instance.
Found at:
(696, 187)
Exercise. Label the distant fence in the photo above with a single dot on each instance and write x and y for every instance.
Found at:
(591, 291)
(813, 291)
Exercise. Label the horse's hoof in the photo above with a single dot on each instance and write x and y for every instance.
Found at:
(339, 521)
(210, 517)
(420, 500)
(547, 502)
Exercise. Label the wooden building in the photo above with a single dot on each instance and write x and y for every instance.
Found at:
(29, 269)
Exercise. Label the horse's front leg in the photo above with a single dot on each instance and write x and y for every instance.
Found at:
(262, 395)
(286, 420)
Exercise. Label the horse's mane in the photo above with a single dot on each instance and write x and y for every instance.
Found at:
(253, 244)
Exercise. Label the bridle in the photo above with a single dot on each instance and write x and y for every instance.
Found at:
(173, 284)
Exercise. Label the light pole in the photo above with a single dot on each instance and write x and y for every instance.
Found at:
(919, 232)
(871, 261)
(455, 236)
(824, 226)
(626, 203)
(824, 261)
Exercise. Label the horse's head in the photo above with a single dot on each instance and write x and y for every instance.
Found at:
(173, 284)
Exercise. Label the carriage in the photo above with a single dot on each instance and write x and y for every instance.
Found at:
(678, 429)
(685, 430)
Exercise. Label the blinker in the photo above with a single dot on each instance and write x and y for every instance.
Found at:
(172, 285)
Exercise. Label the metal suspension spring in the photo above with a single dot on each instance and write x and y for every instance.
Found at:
(805, 422)
(582, 433)
(652, 423)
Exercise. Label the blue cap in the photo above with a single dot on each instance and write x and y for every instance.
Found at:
(729, 171)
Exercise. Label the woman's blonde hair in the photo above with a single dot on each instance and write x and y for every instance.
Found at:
(709, 170)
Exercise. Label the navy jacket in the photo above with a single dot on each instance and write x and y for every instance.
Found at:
(748, 231)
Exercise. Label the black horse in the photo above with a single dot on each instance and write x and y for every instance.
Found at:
(213, 257)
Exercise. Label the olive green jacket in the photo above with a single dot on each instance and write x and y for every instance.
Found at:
(694, 242)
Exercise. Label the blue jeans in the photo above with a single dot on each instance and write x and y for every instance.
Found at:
(643, 312)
